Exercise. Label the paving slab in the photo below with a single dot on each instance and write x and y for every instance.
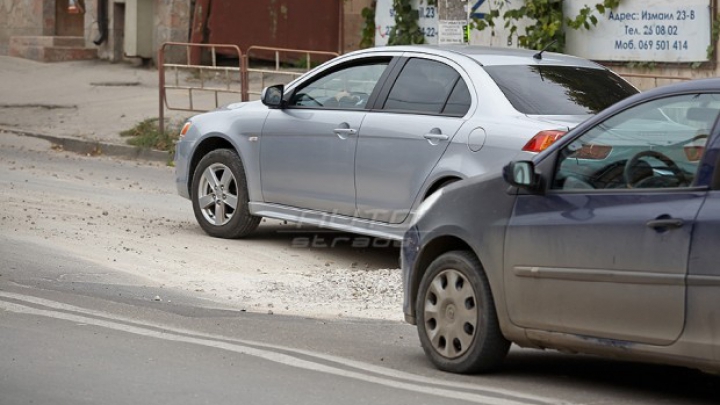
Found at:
(85, 100)
(83, 106)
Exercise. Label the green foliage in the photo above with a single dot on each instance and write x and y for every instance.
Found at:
(302, 64)
(368, 32)
(146, 134)
(547, 21)
(406, 30)
(546, 30)
(641, 65)
(714, 36)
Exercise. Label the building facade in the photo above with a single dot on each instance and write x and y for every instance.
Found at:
(118, 29)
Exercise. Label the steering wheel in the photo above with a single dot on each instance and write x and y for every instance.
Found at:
(359, 95)
(648, 180)
(347, 100)
(350, 99)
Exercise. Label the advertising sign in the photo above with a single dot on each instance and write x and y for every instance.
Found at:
(645, 31)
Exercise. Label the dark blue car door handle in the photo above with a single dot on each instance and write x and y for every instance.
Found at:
(665, 223)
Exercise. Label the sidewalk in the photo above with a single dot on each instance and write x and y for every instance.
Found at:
(82, 106)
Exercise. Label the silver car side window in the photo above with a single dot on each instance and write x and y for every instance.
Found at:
(658, 144)
(459, 101)
(347, 88)
(423, 86)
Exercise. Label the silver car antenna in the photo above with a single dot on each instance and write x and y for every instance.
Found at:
(538, 55)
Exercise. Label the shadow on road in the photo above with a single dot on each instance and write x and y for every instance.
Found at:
(671, 385)
(339, 248)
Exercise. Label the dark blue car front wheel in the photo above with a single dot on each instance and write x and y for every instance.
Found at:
(457, 322)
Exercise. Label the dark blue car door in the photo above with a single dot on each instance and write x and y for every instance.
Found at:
(604, 253)
(703, 281)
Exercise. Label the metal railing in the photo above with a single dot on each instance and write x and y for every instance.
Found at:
(232, 79)
(213, 79)
(277, 53)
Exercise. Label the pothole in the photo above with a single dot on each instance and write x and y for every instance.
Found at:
(40, 105)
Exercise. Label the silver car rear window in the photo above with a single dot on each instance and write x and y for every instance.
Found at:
(559, 90)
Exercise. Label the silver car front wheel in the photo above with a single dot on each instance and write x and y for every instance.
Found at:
(220, 196)
(217, 194)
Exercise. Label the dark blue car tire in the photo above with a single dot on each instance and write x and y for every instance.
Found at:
(220, 197)
(456, 318)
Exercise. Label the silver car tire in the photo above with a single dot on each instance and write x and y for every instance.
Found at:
(457, 323)
(220, 197)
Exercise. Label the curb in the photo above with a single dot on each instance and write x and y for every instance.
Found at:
(87, 147)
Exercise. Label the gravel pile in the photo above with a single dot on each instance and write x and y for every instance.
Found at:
(365, 293)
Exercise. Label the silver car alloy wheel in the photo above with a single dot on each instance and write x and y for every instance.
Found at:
(217, 194)
(450, 314)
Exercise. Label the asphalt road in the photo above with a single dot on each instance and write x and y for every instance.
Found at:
(92, 312)
(70, 343)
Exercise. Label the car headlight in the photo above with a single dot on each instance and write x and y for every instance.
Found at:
(425, 206)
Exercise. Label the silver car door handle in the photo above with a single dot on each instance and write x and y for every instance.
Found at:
(667, 223)
(436, 137)
(344, 131)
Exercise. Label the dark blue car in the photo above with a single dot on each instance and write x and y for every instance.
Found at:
(606, 243)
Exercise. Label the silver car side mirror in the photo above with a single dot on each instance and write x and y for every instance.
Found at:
(273, 96)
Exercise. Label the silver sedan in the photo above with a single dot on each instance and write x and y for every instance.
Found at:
(359, 142)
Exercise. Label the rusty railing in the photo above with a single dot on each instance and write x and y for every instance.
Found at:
(234, 79)
(231, 77)
(277, 59)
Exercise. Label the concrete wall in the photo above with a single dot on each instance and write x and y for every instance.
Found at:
(92, 31)
(173, 19)
(171, 24)
(25, 17)
(665, 74)
(353, 23)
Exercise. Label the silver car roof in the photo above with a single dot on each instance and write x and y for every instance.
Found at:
(493, 56)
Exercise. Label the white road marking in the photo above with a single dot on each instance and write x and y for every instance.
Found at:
(414, 383)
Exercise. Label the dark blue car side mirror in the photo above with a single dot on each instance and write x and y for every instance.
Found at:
(522, 174)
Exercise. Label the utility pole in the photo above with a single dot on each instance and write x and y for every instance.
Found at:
(453, 21)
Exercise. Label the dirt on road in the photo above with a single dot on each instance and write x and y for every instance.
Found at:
(127, 216)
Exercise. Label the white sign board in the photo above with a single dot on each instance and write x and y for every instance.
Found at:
(385, 21)
(644, 31)
(451, 32)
